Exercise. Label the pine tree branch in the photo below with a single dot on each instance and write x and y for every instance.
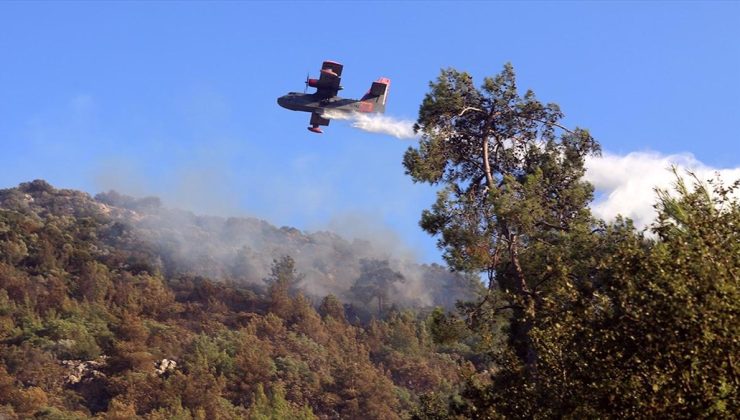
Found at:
(469, 108)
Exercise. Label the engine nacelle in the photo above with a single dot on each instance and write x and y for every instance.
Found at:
(318, 83)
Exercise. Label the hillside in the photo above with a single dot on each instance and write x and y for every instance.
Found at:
(117, 307)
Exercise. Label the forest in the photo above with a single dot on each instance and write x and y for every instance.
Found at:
(116, 307)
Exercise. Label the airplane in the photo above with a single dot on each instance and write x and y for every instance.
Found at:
(325, 98)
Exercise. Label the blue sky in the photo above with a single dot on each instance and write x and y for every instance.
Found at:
(178, 99)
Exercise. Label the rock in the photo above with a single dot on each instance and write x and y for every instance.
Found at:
(164, 365)
(84, 370)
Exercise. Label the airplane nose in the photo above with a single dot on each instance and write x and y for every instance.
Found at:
(282, 101)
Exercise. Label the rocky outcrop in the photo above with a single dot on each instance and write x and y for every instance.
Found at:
(84, 370)
(164, 366)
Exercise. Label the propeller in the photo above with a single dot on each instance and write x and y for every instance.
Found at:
(306, 88)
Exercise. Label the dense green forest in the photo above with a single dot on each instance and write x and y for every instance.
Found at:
(115, 307)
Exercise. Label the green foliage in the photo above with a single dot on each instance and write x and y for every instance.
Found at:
(675, 306)
(446, 328)
(71, 339)
(655, 333)
(276, 407)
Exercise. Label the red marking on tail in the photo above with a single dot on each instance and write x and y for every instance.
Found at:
(367, 106)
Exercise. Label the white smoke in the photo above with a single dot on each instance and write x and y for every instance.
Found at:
(625, 185)
(376, 123)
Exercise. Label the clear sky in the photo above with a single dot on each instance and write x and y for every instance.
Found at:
(179, 99)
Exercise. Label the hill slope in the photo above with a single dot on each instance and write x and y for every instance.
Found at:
(107, 309)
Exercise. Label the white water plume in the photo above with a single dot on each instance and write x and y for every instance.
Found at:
(376, 123)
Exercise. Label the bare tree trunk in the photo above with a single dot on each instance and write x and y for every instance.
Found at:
(525, 315)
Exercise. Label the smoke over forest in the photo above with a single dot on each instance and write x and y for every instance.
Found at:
(242, 250)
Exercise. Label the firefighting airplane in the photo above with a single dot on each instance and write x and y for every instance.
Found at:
(325, 98)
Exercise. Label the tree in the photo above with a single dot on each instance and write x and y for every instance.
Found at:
(276, 406)
(513, 190)
(375, 282)
(649, 332)
(664, 340)
(283, 282)
(94, 281)
(330, 306)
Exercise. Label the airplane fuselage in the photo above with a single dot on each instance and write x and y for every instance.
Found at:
(309, 102)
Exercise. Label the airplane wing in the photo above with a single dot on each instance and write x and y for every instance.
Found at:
(328, 83)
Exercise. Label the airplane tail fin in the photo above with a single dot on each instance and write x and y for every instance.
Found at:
(374, 99)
